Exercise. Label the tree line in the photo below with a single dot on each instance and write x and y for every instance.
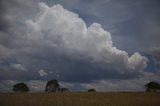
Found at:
(54, 86)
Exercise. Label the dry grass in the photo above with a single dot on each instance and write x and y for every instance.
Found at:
(80, 99)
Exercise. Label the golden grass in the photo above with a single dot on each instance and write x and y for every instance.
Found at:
(80, 99)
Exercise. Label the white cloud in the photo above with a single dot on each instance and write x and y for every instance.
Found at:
(67, 34)
(136, 61)
(42, 72)
(18, 67)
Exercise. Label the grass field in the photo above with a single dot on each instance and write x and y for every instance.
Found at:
(80, 99)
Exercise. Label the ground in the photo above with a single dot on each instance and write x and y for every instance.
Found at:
(80, 99)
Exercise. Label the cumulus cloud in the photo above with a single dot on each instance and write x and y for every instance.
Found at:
(59, 40)
(79, 55)
(68, 34)
(42, 72)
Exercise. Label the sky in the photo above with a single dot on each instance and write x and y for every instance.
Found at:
(108, 45)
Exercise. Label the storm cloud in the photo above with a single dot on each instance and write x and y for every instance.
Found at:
(62, 37)
(57, 41)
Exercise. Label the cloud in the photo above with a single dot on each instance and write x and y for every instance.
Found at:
(6, 85)
(18, 67)
(136, 84)
(34, 85)
(42, 72)
(10, 69)
(126, 20)
(156, 54)
(13, 12)
(59, 40)
(73, 50)
(4, 52)
(68, 34)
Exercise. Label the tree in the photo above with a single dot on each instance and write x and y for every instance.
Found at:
(20, 87)
(64, 90)
(91, 90)
(52, 86)
(152, 86)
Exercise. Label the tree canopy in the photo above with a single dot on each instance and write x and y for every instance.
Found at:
(20, 87)
(91, 90)
(152, 86)
(52, 86)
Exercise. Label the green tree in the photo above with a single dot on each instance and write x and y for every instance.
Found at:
(91, 90)
(52, 86)
(152, 86)
(20, 87)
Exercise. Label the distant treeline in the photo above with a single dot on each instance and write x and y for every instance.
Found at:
(54, 86)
